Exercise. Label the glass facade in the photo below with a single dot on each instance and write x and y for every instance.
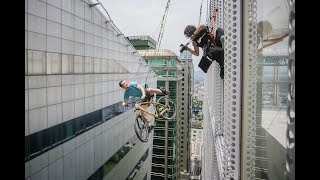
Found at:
(75, 57)
(138, 165)
(45, 140)
(104, 170)
(271, 89)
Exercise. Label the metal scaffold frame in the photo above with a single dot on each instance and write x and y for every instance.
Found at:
(290, 134)
(248, 133)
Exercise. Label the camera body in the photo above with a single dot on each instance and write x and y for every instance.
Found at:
(183, 47)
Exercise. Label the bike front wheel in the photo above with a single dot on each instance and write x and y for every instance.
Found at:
(141, 129)
(168, 106)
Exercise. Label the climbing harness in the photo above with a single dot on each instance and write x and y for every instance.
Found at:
(213, 19)
(200, 13)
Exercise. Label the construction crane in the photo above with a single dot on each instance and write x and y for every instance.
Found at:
(162, 25)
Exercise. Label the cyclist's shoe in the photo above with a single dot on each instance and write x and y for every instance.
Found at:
(150, 128)
(165, 92)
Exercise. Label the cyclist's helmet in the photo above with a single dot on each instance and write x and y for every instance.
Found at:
(189, 30)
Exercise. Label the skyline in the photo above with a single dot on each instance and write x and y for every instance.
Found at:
(144, 17)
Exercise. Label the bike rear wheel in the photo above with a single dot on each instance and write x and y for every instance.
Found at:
(167, 103)
(141, 129)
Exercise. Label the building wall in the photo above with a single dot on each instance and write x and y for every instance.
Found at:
(142, 42)
(126, 165)
(185, 110)
(74, 61)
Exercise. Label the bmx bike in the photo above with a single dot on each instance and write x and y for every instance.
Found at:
(164, 108)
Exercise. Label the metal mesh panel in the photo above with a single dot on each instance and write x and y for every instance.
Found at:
(214, 123)
(219, 19)
(214, 145)
(210, 167)
(290, 164)
(220, 148)
(249, 160)
(215, 97)
(232, 86)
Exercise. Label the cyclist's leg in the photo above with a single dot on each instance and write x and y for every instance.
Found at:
(156, 91)
(144, 116)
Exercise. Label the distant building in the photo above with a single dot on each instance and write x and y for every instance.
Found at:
(166, 150)
(186, 101)
(142, 42)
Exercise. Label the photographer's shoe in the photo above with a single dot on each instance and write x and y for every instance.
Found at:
(165, 92)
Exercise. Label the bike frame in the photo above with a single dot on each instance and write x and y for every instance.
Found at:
(155, 114)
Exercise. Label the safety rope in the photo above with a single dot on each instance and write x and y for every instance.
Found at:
(213, 19)
(117, 29)
(200, 13)
(162, 25)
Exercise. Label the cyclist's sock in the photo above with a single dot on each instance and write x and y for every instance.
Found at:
(149, 124)
(222, 72)
(151, 127)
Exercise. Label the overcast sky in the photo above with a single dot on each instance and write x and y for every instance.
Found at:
(142, 17)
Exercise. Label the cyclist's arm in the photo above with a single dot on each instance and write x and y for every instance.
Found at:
(125, 99)
(124, 102)
(142, 90)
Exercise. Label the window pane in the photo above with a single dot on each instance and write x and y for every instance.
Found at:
(89, 120)
(36, 62)
(67, 64)
(107, 113)
(68, 130)
(26, 147)
(78, 64)
(97, 65)
(39, 141)
(53, 63)
(271, 89)
(88, 65)
(80, 125)
(55, 134)
(97, 116)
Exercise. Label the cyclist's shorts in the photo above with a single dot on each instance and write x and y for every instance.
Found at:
(147, 98)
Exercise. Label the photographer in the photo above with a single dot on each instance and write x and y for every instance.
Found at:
(212, 48)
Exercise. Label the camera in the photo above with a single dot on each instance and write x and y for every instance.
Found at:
(183, 47)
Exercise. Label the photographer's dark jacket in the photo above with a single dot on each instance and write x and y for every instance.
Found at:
(212, 49)
(203, 39)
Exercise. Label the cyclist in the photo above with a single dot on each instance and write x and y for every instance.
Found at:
(200, 37)
(133, 89)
